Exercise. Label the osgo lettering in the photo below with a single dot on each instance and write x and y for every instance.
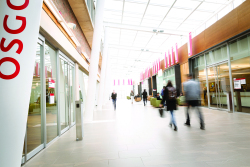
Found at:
(14, 41)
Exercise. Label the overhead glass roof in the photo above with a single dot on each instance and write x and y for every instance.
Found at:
(142, 30)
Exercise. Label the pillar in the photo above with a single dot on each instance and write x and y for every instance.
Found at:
(108, 83)
(104, 67)
(77, 82)
(93, 67)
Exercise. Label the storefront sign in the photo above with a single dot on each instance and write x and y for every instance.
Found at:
(237, 83)
(51, 83)
(51, 98)
(19, 30)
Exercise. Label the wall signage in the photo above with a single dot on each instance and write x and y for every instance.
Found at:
(19, 30)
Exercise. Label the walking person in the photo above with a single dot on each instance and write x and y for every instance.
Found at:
(114, 97)
(192, 95)
(132, 96)
(145, 96)
(170, 99)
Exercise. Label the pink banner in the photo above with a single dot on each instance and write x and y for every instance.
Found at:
(119, 82)
(159, 64)
(123, 82)
(190, 51)
(46, 72)
(176, 53)
(172, 58)
(169, 64)
(166, 62)
(128, 82)
(131, 82)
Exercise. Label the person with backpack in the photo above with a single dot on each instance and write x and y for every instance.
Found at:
(170, 99)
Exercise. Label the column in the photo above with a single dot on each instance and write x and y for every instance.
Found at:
(104, 71)
(93, 67)
(108, 84)
(77, 82)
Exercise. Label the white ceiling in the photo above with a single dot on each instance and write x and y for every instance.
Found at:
(132, 23)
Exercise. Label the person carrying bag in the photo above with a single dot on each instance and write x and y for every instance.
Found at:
(170, 98)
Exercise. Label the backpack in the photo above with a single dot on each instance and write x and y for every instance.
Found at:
(171, 93)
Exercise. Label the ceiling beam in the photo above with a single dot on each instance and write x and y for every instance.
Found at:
(145, 29)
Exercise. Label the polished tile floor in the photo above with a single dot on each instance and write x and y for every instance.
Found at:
(135, 135)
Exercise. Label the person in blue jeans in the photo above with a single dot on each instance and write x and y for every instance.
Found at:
(170, 98)
(114, 96)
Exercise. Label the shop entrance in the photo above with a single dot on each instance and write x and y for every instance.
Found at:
(219, 86)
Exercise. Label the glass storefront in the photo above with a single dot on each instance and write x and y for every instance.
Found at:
(169, 74)
(43, 112)
(222, 71)
(240, 67)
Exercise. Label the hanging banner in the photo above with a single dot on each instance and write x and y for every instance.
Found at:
(176, 54)
(166, 62)
(172, 56)
(190, 51)
(159, 61)
(169, 55)
(19, 31)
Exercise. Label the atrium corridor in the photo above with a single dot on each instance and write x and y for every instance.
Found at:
(135, 135)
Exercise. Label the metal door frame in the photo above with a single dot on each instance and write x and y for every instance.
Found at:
(218, 101)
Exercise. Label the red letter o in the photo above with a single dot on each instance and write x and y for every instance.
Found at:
(26, 3)
(15, 62)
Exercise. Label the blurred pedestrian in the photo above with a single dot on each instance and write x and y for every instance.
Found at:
(132, 96)
(158, 97)
(170, 99)
(192, 96)
(114, 97)
(145, 96)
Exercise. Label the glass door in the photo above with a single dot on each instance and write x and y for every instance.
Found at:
(219, 86)
(64, 95)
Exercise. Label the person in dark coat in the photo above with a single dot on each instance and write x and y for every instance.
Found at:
(170, 99)
(145, 96)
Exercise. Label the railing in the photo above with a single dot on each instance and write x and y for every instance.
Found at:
(91, 9)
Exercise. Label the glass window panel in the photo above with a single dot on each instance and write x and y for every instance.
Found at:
(51, 85)
(34, 134)
(217, 55)
(71, 102)
(64, 117)
(240, 48)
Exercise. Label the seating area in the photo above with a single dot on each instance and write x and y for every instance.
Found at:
(138, 99)
(154, 102)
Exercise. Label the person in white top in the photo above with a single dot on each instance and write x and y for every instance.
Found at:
(132, 96)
